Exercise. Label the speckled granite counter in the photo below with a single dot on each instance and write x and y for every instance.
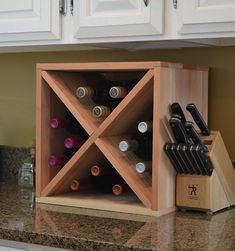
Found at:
(84, 229)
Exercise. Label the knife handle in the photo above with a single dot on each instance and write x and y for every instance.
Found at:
(189, 167)
(197, 168)
(198, 119)
(172, 158)
(192, 133)
(199, 163)
(176, 109)
(178, 130)
(205, 160)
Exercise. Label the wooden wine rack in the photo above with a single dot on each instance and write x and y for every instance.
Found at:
(158, 85)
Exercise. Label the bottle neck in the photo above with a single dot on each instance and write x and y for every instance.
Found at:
(117, 92)
(85, 92)
(145, 126)
(119, 189)
(128, 145)
(57, 160)
(73, 142)
(58, 122)
(142, 167)
(101, 111)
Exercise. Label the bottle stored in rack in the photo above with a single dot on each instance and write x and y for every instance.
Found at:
(68, 122)
(120, 188)
(140, 144)
(61, 159)
(121, 90)
(100, 170)
(98, 93)
(145, 126)
(143, 166)
(73, 142)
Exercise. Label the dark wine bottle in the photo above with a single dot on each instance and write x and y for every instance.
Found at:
(73, 142)
(101, 112)
(99, 93)
(140, 144)
(120, 188)
(80, 184)
(61, 159)
(92, 183)
(68, 122)
(145, 126)
(144, 166)
(99, 170)
(120, 91)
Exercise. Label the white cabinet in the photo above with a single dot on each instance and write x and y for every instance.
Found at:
(206, 16)
(27, 20)
(108, 23)
(118, 18)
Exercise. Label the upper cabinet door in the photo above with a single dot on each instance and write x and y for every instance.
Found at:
(207, 16)
(117, 18)
(25, 20)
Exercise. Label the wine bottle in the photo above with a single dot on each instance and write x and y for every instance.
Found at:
(73, 142)
(75, 185)
(120, 188)
(57, 160)
(120, 91)
(85, 92)
(144, 166)
(128, 145)
(95, 184)
(98, 170)
(98, 93)
(61, 159)
(145, 126)
(139, 143)
(68, 122)
(101, 112)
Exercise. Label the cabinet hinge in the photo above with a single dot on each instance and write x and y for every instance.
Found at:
(71, 7)
(175, 4)
(63, 7)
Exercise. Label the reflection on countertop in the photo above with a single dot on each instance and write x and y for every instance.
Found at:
(81, 229)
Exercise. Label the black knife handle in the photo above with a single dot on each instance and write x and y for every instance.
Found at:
(172, 158)
(178, 130)
(183, 165)
(197, 168)
(181, 148)
(205, 160)
(198, 119)
(199, 163)
(176, 109)
(192, 133)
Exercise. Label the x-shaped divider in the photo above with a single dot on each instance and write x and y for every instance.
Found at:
(101, 140)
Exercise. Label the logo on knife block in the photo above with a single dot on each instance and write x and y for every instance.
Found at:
(192, 192)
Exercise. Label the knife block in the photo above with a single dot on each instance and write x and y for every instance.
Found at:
(209, 193)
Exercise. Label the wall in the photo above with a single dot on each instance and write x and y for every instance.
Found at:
(17, 86)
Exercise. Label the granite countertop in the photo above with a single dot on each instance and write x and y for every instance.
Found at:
(81, 229)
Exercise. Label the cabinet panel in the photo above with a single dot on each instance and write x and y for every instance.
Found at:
(207, 16)
(108, 18)
(29, 20)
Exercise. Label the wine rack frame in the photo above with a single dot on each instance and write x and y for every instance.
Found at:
(162, 84)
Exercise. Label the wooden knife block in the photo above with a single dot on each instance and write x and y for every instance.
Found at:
(209, 193)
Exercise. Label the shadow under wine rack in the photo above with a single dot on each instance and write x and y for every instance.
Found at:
(158, 84)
